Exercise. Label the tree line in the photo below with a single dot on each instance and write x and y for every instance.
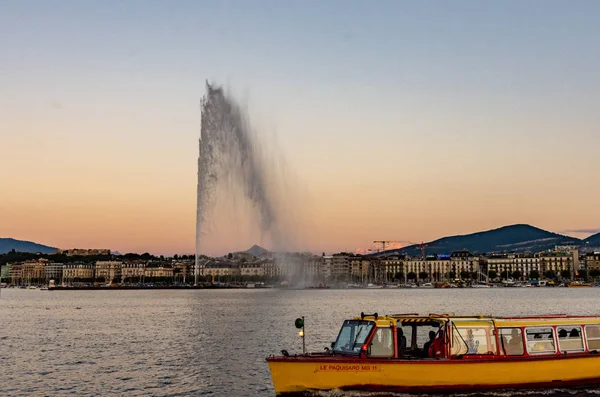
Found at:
(15, 256)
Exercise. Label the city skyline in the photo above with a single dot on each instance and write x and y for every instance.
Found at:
(402, 121)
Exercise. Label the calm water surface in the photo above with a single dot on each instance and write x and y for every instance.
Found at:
(214, 343)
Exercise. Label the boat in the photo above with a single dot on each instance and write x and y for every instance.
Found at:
(466, 353)
(579, 284)
(444, 285)
(320, 286)
(426, 285)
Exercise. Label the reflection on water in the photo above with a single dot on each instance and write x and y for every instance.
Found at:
(188, 343)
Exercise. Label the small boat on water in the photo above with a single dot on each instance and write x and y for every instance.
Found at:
(579, 284)
(445, 353)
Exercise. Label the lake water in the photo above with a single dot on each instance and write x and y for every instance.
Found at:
(209, 342)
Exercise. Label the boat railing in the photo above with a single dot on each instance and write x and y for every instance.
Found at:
(445, 315)
(538, 316)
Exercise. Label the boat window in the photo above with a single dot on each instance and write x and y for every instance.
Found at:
(511, 341)
(423, 333)
(473, 340)
(352, 336)
(540, 340)
(570, 339)
(382, 344)
(592, 334)
(407, 331)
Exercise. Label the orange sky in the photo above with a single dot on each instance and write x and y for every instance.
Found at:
(399, 122)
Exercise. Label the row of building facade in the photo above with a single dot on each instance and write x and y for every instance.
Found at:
(459, 264)
(43, 270)
(308, 267)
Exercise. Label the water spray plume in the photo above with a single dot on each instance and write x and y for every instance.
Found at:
(230, 155)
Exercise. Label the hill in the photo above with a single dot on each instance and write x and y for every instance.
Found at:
(513, 238)
(593, 241)
(8, 244)
(254, 250)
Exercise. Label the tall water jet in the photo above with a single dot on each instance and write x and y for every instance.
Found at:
(229, 153)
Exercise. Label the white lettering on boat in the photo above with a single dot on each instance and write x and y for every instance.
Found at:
(347, 367)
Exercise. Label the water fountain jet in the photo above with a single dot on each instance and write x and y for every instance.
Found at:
(229, 153)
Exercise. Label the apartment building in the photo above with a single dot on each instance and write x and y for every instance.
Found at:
(109, 270)
(78, 272)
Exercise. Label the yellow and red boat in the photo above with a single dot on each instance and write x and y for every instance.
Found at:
(447, 353)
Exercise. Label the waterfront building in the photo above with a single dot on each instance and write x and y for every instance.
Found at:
(33, 271)
(15, 273)
(413, 266)
(464, 264)
(376, 270)
(326, 265)
(437, 267)
(53, 271)
(313, 268)
(443, 267)
(158, 270)
(271, 270)
(221, 268)
(527, 265)
(182, 270)
(393, 266)
(134, 270)
(501, 264)
(359, 268)
(252, 269)
(592, 260)
(572, 250)
(4, 272)
(556, 261)
(109, 270)
(506, 266)
(340, 267)
(73, 272)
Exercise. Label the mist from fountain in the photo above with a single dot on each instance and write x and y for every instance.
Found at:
(233, 161)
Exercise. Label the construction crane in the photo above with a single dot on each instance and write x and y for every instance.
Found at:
(422, 245)
(384, 242)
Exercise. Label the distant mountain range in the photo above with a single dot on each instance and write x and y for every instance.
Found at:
(9, 244)
(513, 238)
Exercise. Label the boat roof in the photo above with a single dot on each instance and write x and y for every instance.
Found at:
(478, 320)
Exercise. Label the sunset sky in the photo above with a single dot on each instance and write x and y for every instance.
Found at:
(395, 120)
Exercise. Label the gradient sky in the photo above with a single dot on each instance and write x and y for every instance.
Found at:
(397, 120)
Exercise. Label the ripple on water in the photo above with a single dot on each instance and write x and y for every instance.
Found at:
(212, 343)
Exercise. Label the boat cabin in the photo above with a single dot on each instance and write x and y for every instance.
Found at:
(445, 336)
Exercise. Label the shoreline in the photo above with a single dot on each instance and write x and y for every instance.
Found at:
(216, 286)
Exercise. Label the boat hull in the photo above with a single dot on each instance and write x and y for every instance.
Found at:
(301, 374)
